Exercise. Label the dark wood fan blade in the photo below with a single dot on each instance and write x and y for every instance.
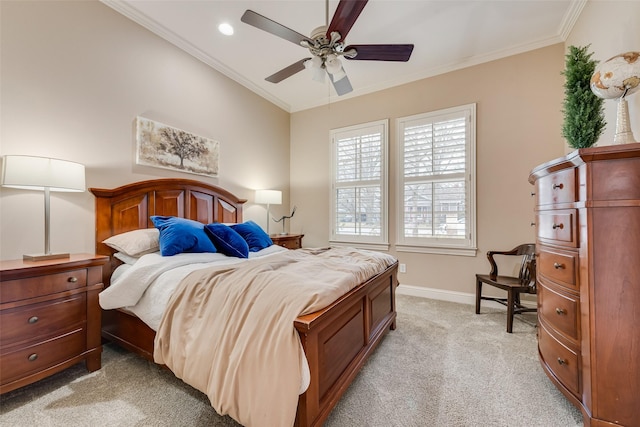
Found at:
(287, 72)
(381, 52)
(345, 16)
(342, 86)
(262, 22)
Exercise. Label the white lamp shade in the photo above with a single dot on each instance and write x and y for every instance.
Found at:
(334, 67)
(315, 65)
(38, 173)
(333, 64)
(268, 197)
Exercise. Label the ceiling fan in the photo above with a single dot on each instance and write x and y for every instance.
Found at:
(326, 45)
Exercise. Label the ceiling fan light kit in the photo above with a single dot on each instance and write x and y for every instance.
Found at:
(327, 45)
(316, 66)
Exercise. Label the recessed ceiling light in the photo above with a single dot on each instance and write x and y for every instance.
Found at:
(225, 29)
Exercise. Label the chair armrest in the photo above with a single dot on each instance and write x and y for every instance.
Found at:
(493, 274)
(494, 267)
(513, 251)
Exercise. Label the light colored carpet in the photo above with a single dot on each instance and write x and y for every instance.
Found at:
(442, 366)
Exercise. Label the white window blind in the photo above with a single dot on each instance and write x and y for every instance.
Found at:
(437, 181)
(359, 197)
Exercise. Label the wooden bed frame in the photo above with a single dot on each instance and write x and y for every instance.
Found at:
(337, 340)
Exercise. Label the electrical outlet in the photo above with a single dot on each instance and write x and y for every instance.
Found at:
(403, 268)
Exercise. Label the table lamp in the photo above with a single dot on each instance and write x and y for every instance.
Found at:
(268, 197)
(43, 174)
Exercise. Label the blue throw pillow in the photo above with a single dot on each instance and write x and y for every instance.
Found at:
(227, 240)
(179, 235)
(255, 237)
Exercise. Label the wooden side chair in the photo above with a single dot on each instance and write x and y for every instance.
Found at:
(524, 283)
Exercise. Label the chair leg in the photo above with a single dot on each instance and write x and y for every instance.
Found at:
(478, 295)
(510, 306)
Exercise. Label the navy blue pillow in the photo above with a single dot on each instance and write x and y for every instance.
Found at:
(227, 240)
(256, 238)
(179, 235)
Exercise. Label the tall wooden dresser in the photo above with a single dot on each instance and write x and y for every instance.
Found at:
(588, 244)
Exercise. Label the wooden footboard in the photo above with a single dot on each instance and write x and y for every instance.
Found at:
(339, 339)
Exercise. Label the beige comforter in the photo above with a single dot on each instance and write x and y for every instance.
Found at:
(228, 331)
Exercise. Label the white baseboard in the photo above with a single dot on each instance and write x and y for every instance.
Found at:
(451, 296)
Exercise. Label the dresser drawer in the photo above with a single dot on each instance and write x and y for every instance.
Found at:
(619, 180)
(37, 357)
(559, 187)
(30, 287)
(559, 311)
(559, 267)
(41, 320)
(558, 227)
(560, 359)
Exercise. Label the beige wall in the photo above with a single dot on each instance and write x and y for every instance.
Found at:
(610, 28)
(518, 102)
(74, 77)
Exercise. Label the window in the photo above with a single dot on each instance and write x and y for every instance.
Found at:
(436, 194)
(359, 185)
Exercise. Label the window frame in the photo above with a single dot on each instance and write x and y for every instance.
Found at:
(440, 245)
(367, 242)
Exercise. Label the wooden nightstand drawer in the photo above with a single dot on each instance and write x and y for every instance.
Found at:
(559, 267)
(562, 360)
(36, 357)
(41, 320)
(558, 227)
(289, 241)
(30, 287)
(559, 311)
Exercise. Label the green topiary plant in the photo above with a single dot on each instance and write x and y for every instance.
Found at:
(583, 110)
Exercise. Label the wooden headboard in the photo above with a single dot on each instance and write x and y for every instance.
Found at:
(129, 207)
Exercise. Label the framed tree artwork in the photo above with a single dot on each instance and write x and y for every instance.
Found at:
(166, 147)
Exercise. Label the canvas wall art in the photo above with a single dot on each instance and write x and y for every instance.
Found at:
(166, 147)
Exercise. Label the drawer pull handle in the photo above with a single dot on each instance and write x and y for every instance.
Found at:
(560, 311)
(533, 193)
(72, 279)
(33, 319)
(533, 224)
(558, 266)
(562, 361)
(33, 357)
(560, 226)
(558, 186)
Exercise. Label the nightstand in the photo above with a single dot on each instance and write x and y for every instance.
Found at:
(289, 241)
(49, 317)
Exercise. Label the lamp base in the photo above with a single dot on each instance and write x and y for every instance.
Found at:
(623, 135)
(44, 257)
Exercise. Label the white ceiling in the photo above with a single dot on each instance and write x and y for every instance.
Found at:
(447, 34)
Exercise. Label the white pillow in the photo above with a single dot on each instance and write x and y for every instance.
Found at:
(135, 243)
(126, 258)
